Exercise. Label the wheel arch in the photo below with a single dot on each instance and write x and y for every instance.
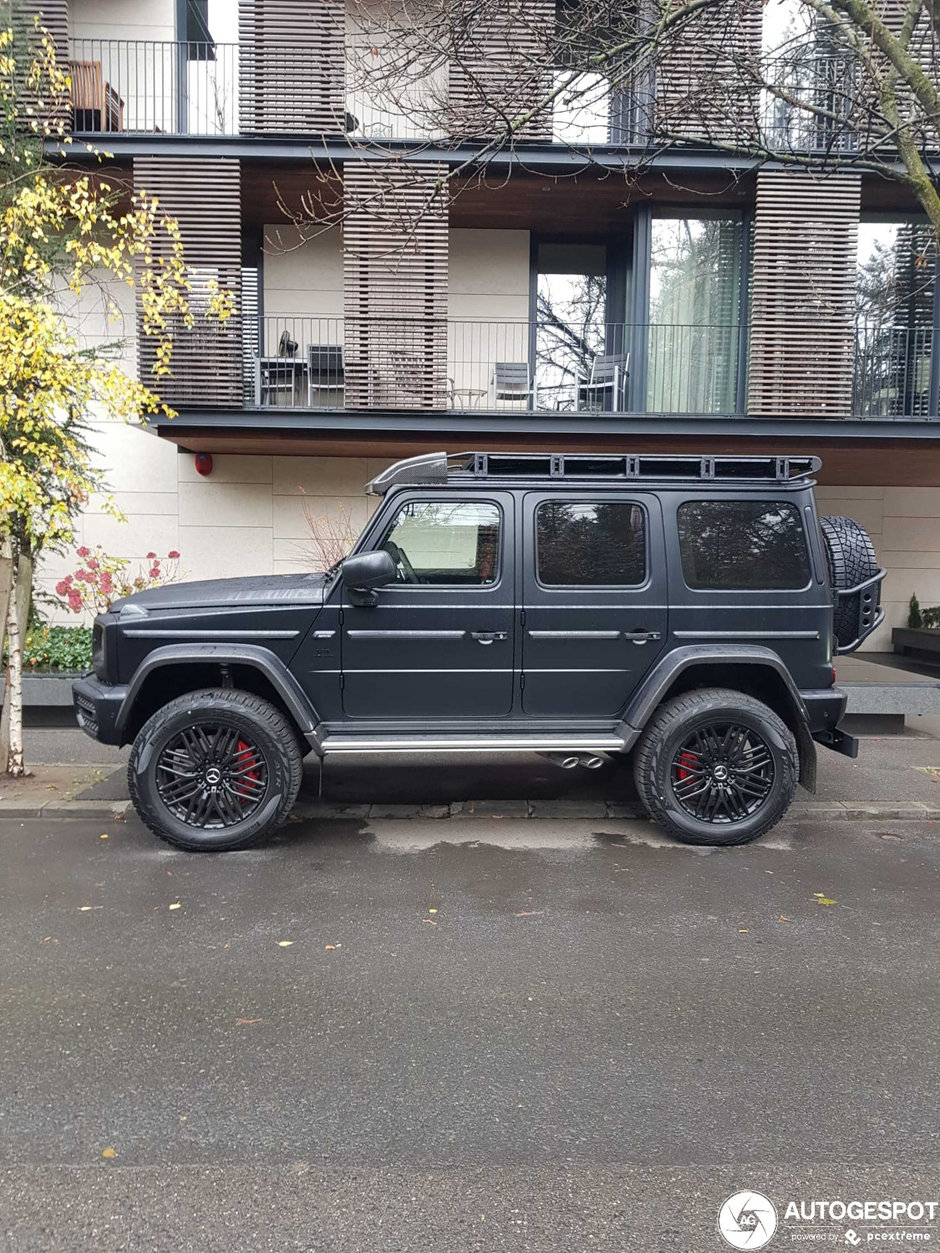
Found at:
(752, 669)
(176, 669)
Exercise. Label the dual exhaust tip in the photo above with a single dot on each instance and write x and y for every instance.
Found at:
(568, 761)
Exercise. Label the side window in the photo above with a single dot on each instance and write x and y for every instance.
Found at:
(743, 545)
(583, 544)
(446, 543)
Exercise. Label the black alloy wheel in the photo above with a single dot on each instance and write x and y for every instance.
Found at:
(722, 772)
(209, 775)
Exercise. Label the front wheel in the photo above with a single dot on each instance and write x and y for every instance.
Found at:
(215, 770)
(716, 767)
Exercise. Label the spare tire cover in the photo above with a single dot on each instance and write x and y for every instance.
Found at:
(850, 556)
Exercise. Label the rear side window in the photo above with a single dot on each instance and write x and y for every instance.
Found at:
(743, 545)
(583, 544)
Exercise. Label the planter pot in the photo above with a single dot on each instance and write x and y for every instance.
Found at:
(48, 689)
(920, 643)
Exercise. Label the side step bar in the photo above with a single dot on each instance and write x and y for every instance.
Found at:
(470, 744)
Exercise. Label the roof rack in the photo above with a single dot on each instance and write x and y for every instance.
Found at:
(441, 468)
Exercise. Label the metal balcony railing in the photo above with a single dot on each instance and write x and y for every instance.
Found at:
(893, 372)
(811, 103)
(551, 365)
(154, 86)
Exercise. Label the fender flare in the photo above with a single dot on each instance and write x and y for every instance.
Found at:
(651, 691)
(281, 679)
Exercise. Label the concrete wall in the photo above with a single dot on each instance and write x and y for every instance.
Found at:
(904, 524)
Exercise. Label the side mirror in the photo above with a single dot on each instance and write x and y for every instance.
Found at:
(366, 571)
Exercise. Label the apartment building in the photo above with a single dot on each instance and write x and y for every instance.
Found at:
(587, 291)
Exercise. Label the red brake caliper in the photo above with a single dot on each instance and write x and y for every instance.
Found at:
(243, 758)
(687, 763)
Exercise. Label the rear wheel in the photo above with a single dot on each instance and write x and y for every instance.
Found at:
(215, 770)
(716, 767)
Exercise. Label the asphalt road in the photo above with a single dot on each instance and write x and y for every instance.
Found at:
(545, 1036)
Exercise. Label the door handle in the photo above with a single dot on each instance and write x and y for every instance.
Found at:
(487, 637)
(641, 637)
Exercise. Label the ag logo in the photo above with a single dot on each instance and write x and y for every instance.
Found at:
(747, 1220)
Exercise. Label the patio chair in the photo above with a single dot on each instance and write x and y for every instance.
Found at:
(606, 381)
(512, 380)
(326, 370)
(276, 376)
(96, 106)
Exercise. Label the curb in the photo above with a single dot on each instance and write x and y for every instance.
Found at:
(804, 811)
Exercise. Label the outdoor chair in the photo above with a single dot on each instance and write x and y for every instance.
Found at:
(605, 386)
(276, 376)
(512, 380)
(96, 106)
(326, 371)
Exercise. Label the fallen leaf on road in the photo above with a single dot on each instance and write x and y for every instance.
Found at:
(429, 921)
(783, 919)
(529, 913)
(108, 1152)
(284, 943)
(245, 1022)
(331, 948)
(175, 905)
(824, 900)
(85, 908)
(744, 931)
(432, 911)
(103, 837)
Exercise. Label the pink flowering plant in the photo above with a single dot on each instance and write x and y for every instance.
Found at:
(99, 580)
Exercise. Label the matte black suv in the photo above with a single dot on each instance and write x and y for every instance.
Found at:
(683, 610)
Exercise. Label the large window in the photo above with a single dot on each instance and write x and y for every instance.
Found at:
(695, 290)
(580, 544)
(894, 319)
(571, 328)
(743, 545)
(448, 542)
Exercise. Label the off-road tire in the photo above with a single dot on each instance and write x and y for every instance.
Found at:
(259, 721)
(671, 726)
(850, 557)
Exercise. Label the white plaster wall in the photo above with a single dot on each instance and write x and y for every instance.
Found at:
(116, 19)
(488, 308)
(303, 287)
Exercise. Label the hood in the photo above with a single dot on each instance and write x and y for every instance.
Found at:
(262, 589)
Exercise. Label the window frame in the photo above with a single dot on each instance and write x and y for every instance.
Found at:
(375, 545)
(585, 587)
(739, 591)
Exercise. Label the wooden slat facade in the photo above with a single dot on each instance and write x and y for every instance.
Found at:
(204, 196)
(499, 71)
(803, 295)
(291, 67)
(701, 88)
(395, 261)
(54, 17)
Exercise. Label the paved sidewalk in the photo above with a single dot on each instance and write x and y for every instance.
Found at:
(893, 777)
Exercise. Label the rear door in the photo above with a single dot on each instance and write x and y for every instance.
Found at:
(439, 642)
(594, 600)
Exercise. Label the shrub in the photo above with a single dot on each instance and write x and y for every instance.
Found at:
(57, 648)
(914, 617)
(99, 579)
(931, 617)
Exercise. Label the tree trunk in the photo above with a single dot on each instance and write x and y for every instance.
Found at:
(11, 721)
(6, 582)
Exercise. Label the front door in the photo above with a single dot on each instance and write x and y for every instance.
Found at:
(594, 601)
(439, 642)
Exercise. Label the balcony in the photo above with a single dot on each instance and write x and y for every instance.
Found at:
(894, 374)
(307, 363)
